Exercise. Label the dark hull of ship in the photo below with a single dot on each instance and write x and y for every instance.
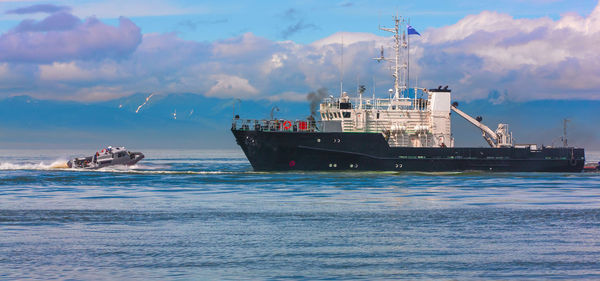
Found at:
(320, 151)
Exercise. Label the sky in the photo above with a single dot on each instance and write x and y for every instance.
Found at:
(91, 50)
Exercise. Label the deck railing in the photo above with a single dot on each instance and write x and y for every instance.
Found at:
(280, 125)
(419, 104)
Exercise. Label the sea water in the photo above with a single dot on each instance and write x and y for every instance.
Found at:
(206, 215)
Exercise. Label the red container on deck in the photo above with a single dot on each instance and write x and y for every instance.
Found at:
(302, 125)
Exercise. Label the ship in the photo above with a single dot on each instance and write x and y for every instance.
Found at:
(110, 156)
(410, 130)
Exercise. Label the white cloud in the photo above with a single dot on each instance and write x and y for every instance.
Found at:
(72, 72)
(4, 71)
(528, 58)
(348, 38)
(231, 86)
(290, 96)
(277, 61)
(97, 93)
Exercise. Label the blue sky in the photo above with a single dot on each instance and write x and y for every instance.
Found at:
(98, 50)
(211, 20)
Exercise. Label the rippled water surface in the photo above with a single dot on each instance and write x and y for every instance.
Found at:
(206, 215)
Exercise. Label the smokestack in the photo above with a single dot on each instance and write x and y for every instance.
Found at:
(315, 98)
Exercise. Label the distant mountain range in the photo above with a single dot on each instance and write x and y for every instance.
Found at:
(196, 121)
(174, 120)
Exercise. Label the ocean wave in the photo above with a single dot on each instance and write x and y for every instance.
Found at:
(132, 170)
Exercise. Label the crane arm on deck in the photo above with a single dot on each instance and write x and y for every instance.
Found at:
(489, 135)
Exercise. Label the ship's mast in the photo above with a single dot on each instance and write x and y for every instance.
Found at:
(564, 137)
(342, 69)
(398, 89)
(407, 40)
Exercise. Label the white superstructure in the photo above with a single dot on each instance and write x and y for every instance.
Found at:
(409, 117)
(411, 122)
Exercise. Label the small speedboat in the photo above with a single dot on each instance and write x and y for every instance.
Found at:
(109, 156)
(591, 167)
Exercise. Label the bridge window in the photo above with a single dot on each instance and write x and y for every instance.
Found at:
(346, 114)
(345, 105)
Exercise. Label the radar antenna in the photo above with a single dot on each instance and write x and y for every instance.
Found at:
(275, 108)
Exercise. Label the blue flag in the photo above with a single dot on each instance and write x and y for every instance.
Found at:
(411, 30)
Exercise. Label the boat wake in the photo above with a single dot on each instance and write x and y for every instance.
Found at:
(61, 165)
(58, 164)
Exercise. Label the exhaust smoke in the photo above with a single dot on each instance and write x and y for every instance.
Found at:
(315, 98)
